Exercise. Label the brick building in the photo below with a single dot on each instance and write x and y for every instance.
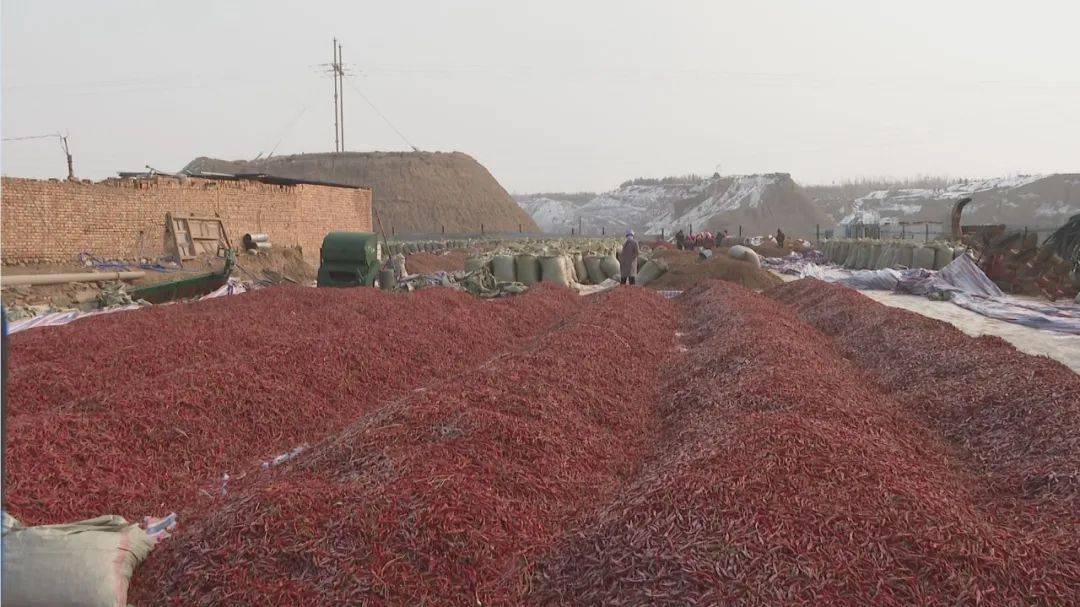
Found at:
(124, 218)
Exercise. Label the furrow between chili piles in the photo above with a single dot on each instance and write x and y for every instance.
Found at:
(784, 477)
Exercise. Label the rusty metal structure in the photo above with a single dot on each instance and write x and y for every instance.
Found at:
(1015, 261)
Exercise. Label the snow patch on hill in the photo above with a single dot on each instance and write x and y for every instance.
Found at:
(1013, 200)
(755, 202)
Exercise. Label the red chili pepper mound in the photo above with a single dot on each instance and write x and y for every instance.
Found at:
(143, 412)
(448, 496)
(1012, 417)
(784, 477)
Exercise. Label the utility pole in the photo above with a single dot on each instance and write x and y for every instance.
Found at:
(67, 152)
(63, 145)
(341, 80)
(337, 70)
(334, 68)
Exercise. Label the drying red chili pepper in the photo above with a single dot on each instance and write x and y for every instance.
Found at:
(143, 412)
(449, 495)
(787, 476)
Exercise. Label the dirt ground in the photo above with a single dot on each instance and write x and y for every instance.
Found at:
(685, 269)
(428, 263)
(287, 262)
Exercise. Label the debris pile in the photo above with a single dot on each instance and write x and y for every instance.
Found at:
(144, 412)
(430, 263)
(686, 269)
(449, 495)
(783, 477)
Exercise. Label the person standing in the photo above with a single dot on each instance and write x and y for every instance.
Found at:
(628, 259)
(780, 238)
(680, 240)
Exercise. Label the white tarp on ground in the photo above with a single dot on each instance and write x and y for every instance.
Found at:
(962, 282)
(231, 287)
(959, 276)
(1063, 318)
(885, 279)
(52, 319)
(61, 318)
(1061, 347)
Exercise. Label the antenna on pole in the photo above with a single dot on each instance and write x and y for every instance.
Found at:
(341, 85)
(334, 66)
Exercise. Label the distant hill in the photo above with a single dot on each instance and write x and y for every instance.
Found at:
(1023, 200)
(758, 203)
(414, 192)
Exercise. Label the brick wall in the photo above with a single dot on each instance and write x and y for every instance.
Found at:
(53, 221)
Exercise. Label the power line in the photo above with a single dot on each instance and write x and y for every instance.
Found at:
(29, 137)
(286, 130)
(381, 115)
(63, 145)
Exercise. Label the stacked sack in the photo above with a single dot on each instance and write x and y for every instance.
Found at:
(874, 254)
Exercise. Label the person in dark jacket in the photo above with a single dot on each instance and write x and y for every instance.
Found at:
(680, 240)
(628, 259)
(780, 238)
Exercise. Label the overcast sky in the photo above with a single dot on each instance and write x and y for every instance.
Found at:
(553, 95)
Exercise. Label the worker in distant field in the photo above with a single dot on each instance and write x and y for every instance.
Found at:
(628, 259)
(680, 240)
(780, 238)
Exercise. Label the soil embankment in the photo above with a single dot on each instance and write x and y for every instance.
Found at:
(413, 192)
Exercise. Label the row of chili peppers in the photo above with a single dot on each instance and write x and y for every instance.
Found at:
(787, 476)
(447, 496)
(144, 412)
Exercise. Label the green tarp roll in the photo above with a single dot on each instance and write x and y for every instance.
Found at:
(653, 269)
(609, 265)
(473, 264)
(593, 270)
(553, 270)
(580, 271)
(502, 266)
(527, 269)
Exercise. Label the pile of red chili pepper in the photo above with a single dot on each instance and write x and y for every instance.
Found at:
(785, 476)
(1010, 419)
(807, 446)
(144, 412)
(450, 495)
